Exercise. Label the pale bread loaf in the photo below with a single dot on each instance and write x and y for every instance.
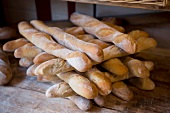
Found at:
(77, 59)
(70, 41)
(104, 32)
(12, 45)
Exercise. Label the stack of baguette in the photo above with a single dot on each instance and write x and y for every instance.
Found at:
(86, 62)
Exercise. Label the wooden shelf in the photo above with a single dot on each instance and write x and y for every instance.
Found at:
(130, 5)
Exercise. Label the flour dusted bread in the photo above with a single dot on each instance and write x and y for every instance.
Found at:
(121, 90)
(5, 70)
(27, 51)
(70, 41)
(115, 66)
(81, 102)
(53, 67)
(61, 89)
(80, 84)
(104, 32)
(46, 43)
(26, 62)
(12, 45)
(42, 57)
(100, 80)
(75, 31)
(7, 33)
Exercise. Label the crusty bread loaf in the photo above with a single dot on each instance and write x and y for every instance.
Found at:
(5, 73)
(75, 31)
(144, 43)
(61, 89)
(121, 90)
(100, 100)
(114, 78)
(27, 51)
(118, 28)
(149, 65)
(31, 70)
(12, 45)
(7, 33)
(136, 34)
(70, 41)
(53, 67)
(5, 70)
(4, 57)
(115, 66)
(113, 52)
(42, 57)
(26, 62)
(143, 83)
(104, 32)
(91, 39)
(136, 67)
(81, 102)
(80, 84)
(100, 80)
(77, 59)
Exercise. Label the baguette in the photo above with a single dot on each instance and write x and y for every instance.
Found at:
(61, 90)
(80, 84)
(104, 32)
(100, 100)
(75, 31)
(31, 70)
(91, 39)
(142, 83)
(114, 78)
(42, 57)
(149, 65)
(7, 33)
(115, 66)
(50, 78)
(121, 90)
(26, 62)
(144, 43)
(81, 102)
(100, 80)
(4, 57)
(136, 67)
(69, 41)
(136, 34)
(53, 67)
(5, 70)
(77, 59)
(118, 28)
(27, 51)
(11, 46)
(113, 52)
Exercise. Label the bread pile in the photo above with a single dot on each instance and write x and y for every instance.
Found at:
(90, 60)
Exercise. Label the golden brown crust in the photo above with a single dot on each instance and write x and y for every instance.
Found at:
(121, 90)
(11, 46)
(27, 51)
(100, 80)
(42, 57)
(104, 32)
(80, 84)
(115, 66)
(70, 41)
(46, 43)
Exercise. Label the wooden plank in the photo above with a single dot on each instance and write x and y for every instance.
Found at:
(130, 5)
